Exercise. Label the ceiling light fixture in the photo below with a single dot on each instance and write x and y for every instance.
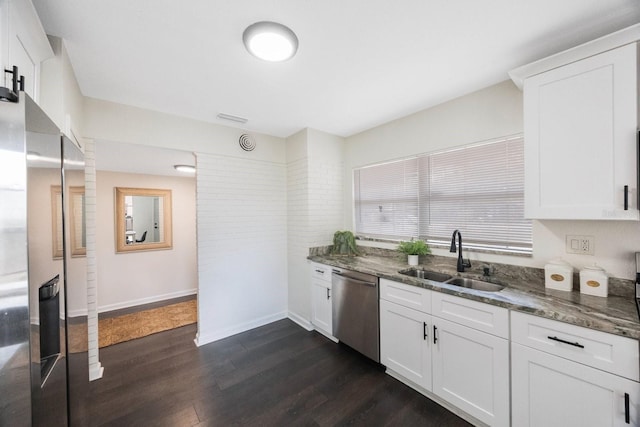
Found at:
(185, 168)
(238, 119)
(270, 41)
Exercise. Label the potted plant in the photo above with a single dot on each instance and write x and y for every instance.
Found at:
(413, 249)
(344, 243)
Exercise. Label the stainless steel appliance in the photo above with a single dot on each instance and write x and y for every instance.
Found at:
(34, 347)
(355, 311)
(638, 282)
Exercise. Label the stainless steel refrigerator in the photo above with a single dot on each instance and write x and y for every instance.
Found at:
(43, 365)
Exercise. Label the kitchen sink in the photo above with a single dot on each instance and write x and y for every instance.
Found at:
(475, 284)
(425, 274)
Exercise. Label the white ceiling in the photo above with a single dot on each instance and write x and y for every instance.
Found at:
(360, 63)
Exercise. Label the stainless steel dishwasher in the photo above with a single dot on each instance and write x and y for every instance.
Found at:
(355, 311)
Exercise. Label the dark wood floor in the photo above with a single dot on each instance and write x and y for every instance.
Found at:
(275, 375)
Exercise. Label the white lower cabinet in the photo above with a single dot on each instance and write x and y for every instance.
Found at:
(471, 371)
(405, 342)
(321, 299)
(567, 375)
(548, 390)
(321, 305)
(448, 360)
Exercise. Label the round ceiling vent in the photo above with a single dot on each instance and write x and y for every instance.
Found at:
(247, 142)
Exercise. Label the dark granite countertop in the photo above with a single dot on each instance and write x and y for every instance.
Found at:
(524, 291)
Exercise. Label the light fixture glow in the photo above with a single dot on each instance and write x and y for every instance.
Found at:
(185, 168)
(270, 41)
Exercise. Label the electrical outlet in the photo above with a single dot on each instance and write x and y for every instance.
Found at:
(583, 245)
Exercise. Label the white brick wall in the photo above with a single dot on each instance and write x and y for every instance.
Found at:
(325, 200)
(298, 233)
(242, 244)
(95, 368)
(314, 208)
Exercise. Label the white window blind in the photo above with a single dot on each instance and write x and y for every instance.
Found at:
(387, 199)
(477, 189)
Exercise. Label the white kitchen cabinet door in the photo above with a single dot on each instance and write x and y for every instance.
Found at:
(471, 371)
(321, 306)
(580, 134)
(405, 337)
(26, 45)
(548, 391)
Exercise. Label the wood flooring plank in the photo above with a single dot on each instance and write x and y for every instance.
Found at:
(275, 375)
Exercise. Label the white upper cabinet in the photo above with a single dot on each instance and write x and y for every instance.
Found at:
(24, 43)
(580, 127)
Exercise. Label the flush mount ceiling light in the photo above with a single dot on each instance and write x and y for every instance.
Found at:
(270, 41)
(185, 168)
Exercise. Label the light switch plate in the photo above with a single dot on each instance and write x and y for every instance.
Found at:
(584, 245)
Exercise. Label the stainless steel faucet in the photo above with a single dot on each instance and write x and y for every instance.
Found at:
(461, 263)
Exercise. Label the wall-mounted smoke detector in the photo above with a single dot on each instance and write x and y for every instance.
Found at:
(247, 142)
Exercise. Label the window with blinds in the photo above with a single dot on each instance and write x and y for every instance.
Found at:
(478, 189)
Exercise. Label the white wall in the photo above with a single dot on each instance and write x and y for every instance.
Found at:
(242, 244)
(116, 122)
(267, 275)
(489, 113)
(134, 278)
(299, 298)
(60, 95)
(314, 208)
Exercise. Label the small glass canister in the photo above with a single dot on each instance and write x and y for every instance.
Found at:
(594, 281)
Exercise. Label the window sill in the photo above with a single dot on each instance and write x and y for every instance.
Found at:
(438, 245)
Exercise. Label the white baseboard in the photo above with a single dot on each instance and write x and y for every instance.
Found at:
(95, 372)
(295, 317)
(202, 339)
(78, 313)
(147, 300)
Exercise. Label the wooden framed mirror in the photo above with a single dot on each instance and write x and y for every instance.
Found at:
(143, 219)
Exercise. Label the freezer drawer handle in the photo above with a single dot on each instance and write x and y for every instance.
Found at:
(626, 408)
(351, 279)
(424, 330)
(575, 344)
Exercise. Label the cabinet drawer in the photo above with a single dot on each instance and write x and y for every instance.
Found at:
(406, 295)
(611, 353)
(477, 315)
(321, 271)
